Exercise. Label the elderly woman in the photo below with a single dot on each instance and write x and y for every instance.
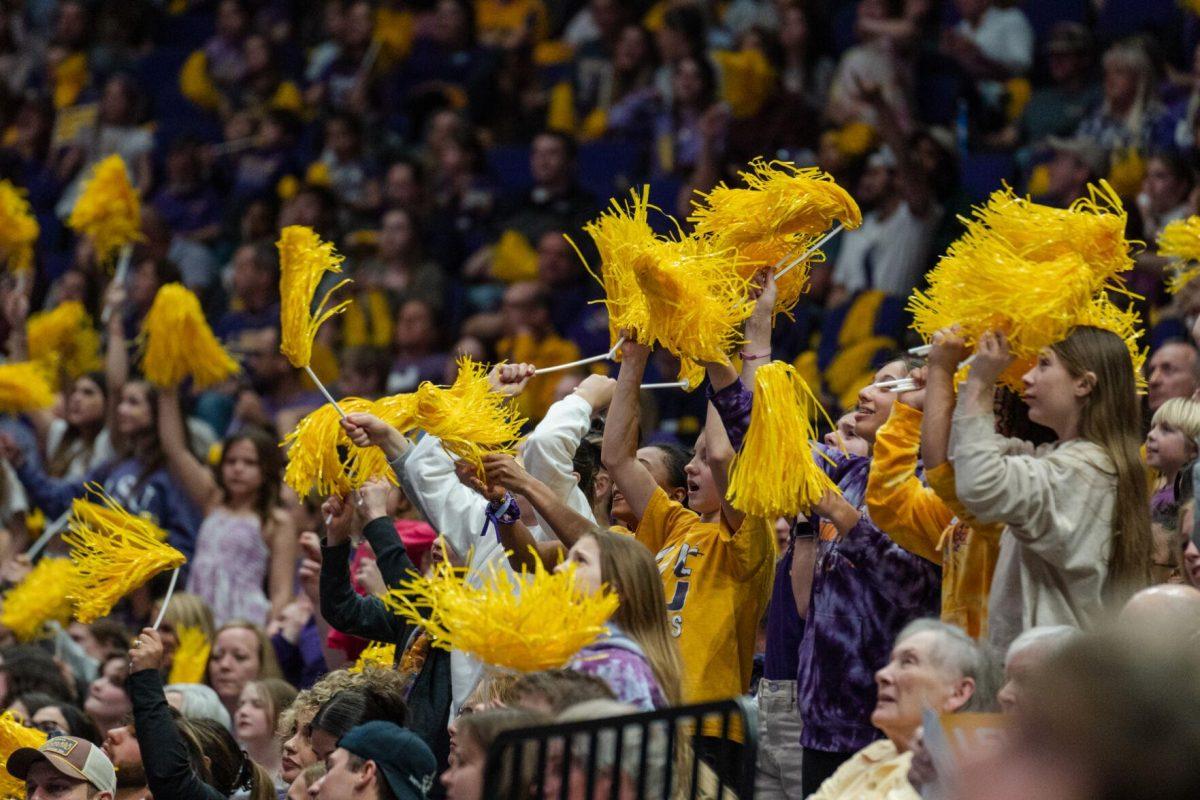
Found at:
(933, 664)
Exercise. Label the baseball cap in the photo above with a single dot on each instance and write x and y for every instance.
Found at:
(404, 759)
(73, 757)
(1090, 154)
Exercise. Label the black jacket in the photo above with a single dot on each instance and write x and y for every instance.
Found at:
(169, 771)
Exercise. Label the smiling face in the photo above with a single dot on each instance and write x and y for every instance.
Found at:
(844, 438)
(134, 412)
(875, 405)
(1168, 449)
(912, 680)
(655, 460)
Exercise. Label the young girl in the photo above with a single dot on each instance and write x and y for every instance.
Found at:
(241, 653)
(1065, 552)
(254, 723)
(79, 441)
(1171, 445)
(246, 540)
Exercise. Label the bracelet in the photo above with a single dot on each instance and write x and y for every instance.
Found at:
(748, 357)
(502, 512)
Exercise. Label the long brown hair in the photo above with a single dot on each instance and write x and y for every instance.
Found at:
(629, 570)
(270, 465)
(1111, 418)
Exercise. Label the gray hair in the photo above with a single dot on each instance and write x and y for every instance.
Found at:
(606, 755)
(201, 702)
(1052, 638)
(963, 656)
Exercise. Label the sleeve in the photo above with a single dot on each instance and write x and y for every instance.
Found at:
(913, 515)
(734, 404)
(288, 656)
(1028, 493)
(662, 516)
(749, 546)
(391, 556)
(907, 577)
(53, 496)
(941, 481)
(344, 609)
(1016, 50)
(549, 452)
(426, 473)
(164, 756)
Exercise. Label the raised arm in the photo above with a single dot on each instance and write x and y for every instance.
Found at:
(567, 524)
(195, 478)
(619, 452)
(947, 353)
(281, 534)
(718, 455)
(757, 349)
(116, 354)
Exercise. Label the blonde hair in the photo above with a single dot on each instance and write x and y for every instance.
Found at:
(1133, 57)
(276, 695)
(190, 611)
(1182, 414)
(629, 570)
(1111, 419)
(311, 699)
(268, 664)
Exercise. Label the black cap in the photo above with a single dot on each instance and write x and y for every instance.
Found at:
(404, 759)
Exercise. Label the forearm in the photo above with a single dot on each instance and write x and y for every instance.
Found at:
(935, 423)
(168, 769)
(757, 350)
(520, 545)
(391, 556)
(567, 525)
(620, 428)
(343, 609)
(733, 405)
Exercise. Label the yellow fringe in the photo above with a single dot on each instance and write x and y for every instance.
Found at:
(108, 211)
(623, 238)
(470, 419)
(526, 624)
(24, 387)
(1180, 242)
(178, 343)
(39, 598)
(378, 654)
(191, 656)
(303, 261)
(114, 552)
(18, 228)
(64, 338)
(780, 199)
(13, 736)
(774, 474)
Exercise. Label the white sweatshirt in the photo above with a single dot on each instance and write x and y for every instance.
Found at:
(1057, 504)
(549, 452)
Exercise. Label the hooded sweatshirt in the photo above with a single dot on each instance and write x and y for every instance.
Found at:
(620, 662)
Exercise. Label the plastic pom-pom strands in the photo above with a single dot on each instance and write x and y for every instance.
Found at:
(63, 338)
(303, 261)
(469, 418)
(24, 387)
(190, 661)
(40, 597)
(115, 553)
(108, 211)
(377, 654)
(13, 736)
(18, 229)
(774, 474)
(526, 623)
(178, 343)
(1180, 242)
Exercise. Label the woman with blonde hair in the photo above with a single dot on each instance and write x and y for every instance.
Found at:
(639, 659)
(241, 653)
(1131, 110)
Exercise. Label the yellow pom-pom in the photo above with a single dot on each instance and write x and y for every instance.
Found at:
(191, 656)
(39, 598)
(303, 261)
(1125, 322)
(527, 623)
(469, 418)
(774, 474)
(780, 199)
(63, 338)
(108, 211)
(378, 654)
(855, 139)
(1180, 242)
(13, 736)
(696, 298)
(178, 343)
(623, 238)
(115, 553)
(24, 387)
(18, 229)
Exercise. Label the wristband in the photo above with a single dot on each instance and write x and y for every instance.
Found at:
(748, 357)
(503, 512)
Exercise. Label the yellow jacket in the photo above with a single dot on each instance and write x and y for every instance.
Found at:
(930, 522)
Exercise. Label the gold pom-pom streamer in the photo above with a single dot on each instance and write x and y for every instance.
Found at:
(1125, 322)
(469, 418)
(1180, 242)
(14, 735)
(41, 597)
(115, 553)
(303, 261)
(18, 229)
(178, 343)
(376, 654)
(64, 338)
(191, 656)
(526, 624)
(108, 211)
(696, 298)
(774, 474)
(623, 238)
(24, 387)
(779, 199)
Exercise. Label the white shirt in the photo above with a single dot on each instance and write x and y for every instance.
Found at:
(1005, 36)
(888, 254)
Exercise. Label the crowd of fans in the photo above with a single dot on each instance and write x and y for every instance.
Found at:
(454, 151)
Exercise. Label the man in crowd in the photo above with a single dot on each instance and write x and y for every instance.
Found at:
(377, 761)
(64, 768)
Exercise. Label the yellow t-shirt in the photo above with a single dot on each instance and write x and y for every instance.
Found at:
(717, 584)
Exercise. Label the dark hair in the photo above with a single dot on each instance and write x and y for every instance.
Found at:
(35, 701)
(586, 462)
(1177, 164)
(676, 458)
(1012, 419)
(562, 688)
(79, 724)
(113, 637)
(349, 120)
(145, 447)
(371, 361)
(270, 463)
(565, 139)
(350, 708)
(383, 790)
(708, 81)
(165, 270)
(230, 770)
(688, 21)
(29, 669)
(60, 460)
